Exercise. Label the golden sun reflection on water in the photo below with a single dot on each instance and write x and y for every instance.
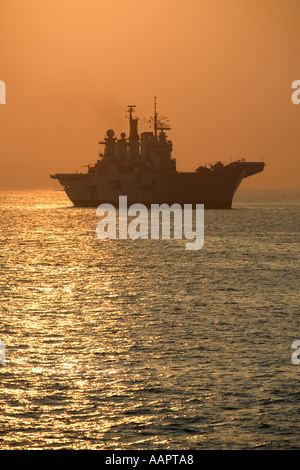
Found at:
(123, 344)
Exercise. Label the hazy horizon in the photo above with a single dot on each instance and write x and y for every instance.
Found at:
(222, 72)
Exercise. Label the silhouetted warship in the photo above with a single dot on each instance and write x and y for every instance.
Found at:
(142, 169)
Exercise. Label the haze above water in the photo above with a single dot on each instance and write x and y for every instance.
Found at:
(222, 72)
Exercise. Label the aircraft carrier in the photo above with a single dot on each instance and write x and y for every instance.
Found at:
(141, 167)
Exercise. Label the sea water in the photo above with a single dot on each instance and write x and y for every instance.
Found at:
(141, 344)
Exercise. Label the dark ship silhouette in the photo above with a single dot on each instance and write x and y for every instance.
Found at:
(142, 168)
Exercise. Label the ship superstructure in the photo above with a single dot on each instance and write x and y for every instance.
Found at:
(142, 168)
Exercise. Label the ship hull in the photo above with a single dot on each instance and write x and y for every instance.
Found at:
(214, 189)
(207, 204)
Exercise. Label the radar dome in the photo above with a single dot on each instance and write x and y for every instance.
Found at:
(110, 133)
(123, 135)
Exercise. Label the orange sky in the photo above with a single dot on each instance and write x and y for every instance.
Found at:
(222, 71)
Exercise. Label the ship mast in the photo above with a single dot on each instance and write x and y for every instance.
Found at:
(155, 118)
(130, 110)
(132, 123)
(133, 134)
